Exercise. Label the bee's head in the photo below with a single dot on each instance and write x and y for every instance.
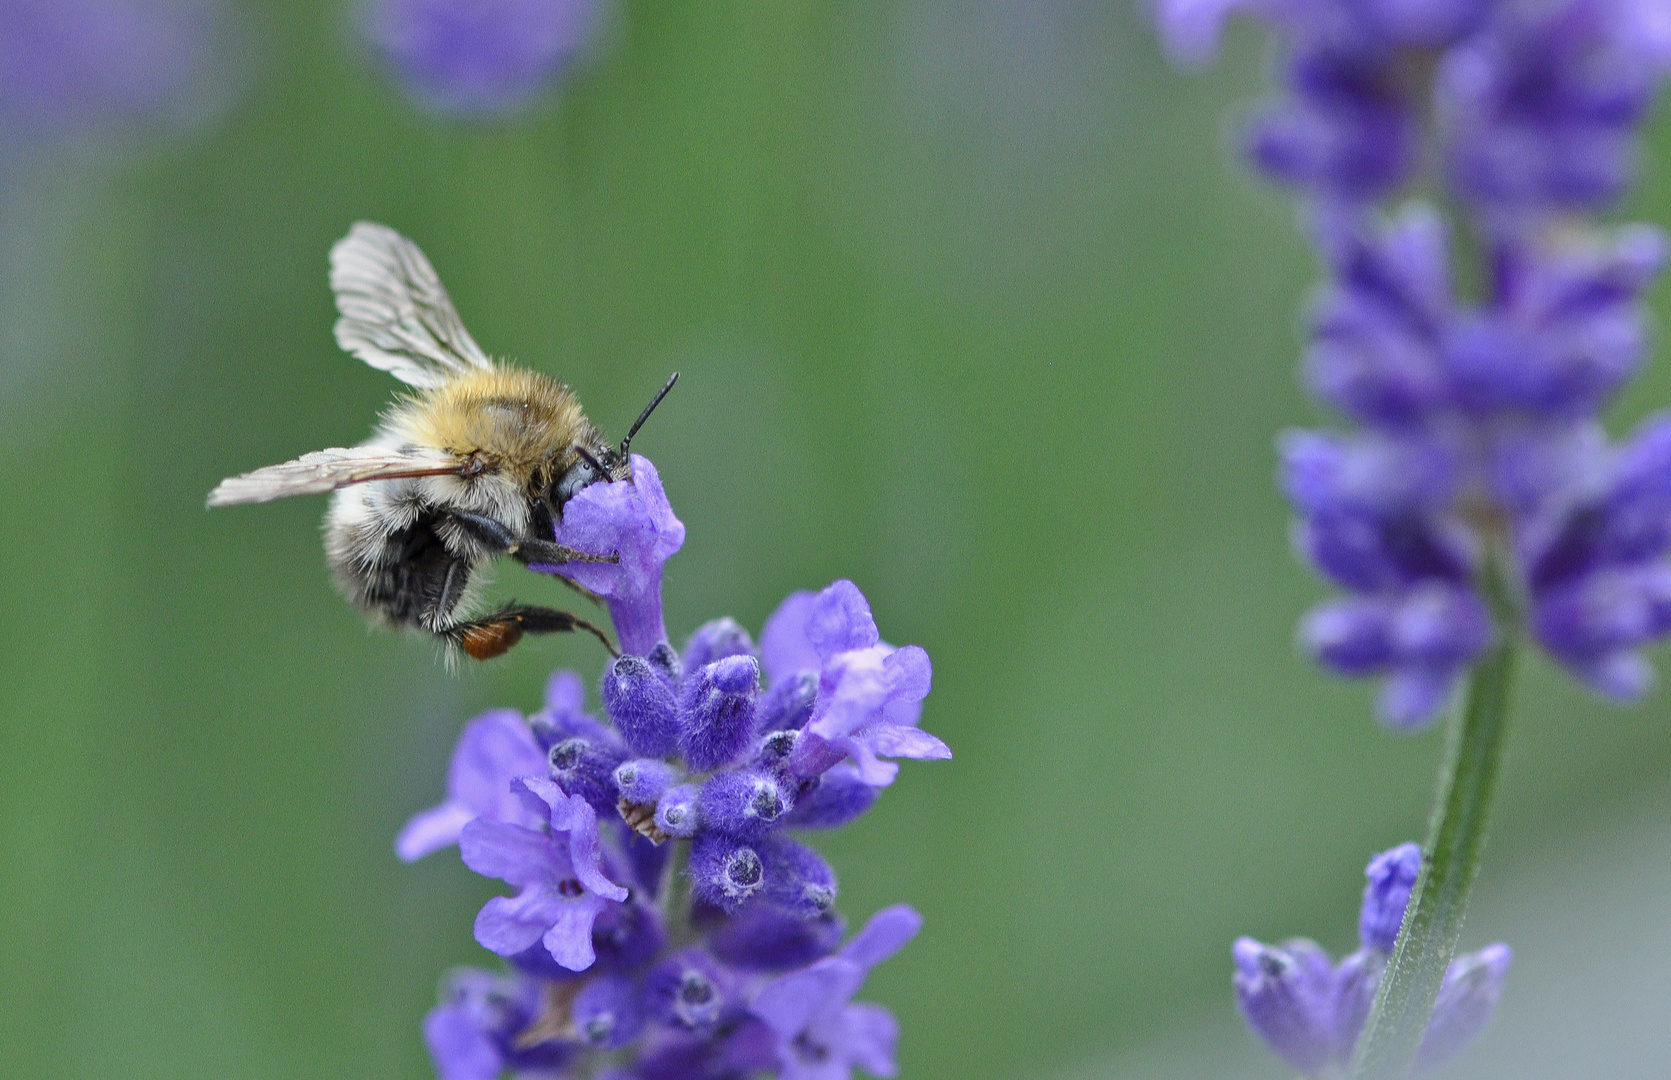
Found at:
(593, 463)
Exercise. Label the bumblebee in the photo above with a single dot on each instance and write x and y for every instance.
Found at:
(475, 463)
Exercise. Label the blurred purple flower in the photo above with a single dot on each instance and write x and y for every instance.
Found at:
(820, 1034)
(473, 1033)
(1477, 426)
(1310, 1011)
(479, 56)
(494, 749)
(70, 64)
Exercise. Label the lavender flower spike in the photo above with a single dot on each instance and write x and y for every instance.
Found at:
(667, 926)
(634, 519)
(494, 749)
(563, 886)
(820, 1034)
(1310, 1011)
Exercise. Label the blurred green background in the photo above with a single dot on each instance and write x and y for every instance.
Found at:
(971, 306)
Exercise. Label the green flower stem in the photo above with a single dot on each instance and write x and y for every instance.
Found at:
(1451, 856)
(675, 895)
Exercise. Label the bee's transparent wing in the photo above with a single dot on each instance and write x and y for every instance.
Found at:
(395, 314)
(327, 470)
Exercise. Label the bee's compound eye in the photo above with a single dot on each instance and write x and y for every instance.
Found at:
(577, 477)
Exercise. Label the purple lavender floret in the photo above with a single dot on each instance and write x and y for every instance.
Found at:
(821, 1034)
(1310, 1010)
(634, 519)
(478, 56)
(494, 749)
(476, 1031)
(724, 961)
(1476, 433)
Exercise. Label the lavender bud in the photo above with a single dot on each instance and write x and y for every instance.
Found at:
(788, 704)
(716, 711)
(676, 813)
(1283, 994)
(746, 805)
(1392, 874)
(831, 800)
(775, 751)
(643, 780)
(796, 877)
(666, 663)
(725, 872)
(607, 1014)
(642, 705)
(715, 641)
(764, 937)
(689, 990)
(583, 767)
(627, 937)
(1468, 997)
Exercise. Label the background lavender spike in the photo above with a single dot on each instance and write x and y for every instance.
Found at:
(1476, 420)
(1310, 1010)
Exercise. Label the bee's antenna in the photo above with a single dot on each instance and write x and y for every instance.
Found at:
(645, 415)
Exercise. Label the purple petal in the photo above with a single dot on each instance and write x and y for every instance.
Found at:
(509, 924)
(460, 1049)
(888, 740)
(840, 620)
(431, 830)
(574, 817)
(785, 649)
(789, 1003)
(482, 56)
(565, 694)
(1392, 875)
(1284, 995)
(511, 853)
(1355, 982)
(586, 852)
(869, 1037)
(885, 934)
(1412, 697)
(1190, 29)
(492, 750)
(569, 939)
(633, 519)
(1473, 983)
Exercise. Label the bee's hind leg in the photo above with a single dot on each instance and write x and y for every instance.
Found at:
(493, 635)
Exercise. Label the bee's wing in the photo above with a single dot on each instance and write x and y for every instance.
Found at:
(327, 470)
(395, 314)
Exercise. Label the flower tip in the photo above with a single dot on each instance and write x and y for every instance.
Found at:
(1391, 877)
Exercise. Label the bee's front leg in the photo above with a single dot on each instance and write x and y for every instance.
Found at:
(497, 537)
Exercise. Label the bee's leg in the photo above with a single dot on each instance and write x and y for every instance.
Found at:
(494, 535)
(493, 635)
(546, 552)
(579, 588)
